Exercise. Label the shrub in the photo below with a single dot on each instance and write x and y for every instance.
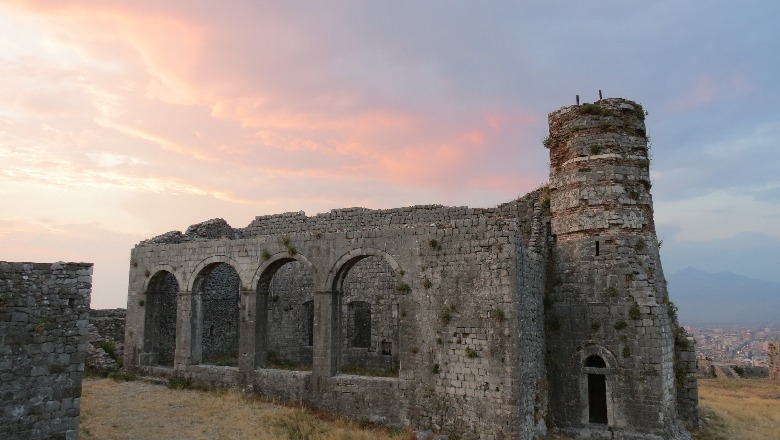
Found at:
(108, 347)
(626, 352)
(620, 325)
(403, 288)
(434, 244)
(179, 383)
(593, 109)
(499, 314)
(427, 283)
(471, 353)
(633, 312)
(446, 316)
(122, 376)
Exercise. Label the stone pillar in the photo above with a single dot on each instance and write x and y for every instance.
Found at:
(188, 338)
(326, 337)
(774, 360)
(248, 335)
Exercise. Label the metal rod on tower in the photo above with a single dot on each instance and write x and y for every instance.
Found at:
(578, 99)
(600, 97)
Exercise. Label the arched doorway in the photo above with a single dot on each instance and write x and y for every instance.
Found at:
(218, 286)
(160, 321)
(286, 293)
(597, 389)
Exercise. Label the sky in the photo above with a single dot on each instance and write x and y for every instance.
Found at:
(122, 120)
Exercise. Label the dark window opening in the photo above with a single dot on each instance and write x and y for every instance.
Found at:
(597, 398)
(211, 330)
(597, 248)
(387, 348)
(595, 361)
(361, 324)
(309, 309)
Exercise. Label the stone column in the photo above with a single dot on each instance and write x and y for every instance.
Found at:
(326, 337)
(188, 338)
(251, 335)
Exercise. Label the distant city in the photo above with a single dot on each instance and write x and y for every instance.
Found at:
(734, 344)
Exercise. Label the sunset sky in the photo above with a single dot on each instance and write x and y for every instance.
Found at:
(122, 120)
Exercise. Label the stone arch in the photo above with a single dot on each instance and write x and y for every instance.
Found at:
(364, 284)
(193, 278)
(597, 368)
(284, 311)
(216, 290)
(163, 267)
(342, 266)
(161, 294)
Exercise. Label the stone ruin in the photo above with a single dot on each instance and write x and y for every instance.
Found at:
(43, 329)
(774, 360)
(547, 312)
(106, 335)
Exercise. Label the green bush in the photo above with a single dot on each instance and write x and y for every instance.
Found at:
(633, 312)
(403, 288)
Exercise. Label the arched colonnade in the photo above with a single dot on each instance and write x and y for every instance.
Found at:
(284, 313)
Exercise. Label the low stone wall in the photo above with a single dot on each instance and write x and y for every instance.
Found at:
(44, 310)
(110, 324)
(687, 387)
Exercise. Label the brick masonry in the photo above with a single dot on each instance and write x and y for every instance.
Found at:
(44, 312)
(487, 323)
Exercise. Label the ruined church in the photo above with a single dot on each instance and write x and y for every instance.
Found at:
(550, 311)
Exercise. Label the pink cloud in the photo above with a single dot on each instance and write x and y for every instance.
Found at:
(707, 88)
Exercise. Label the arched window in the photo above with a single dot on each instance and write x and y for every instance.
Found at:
(595, 361)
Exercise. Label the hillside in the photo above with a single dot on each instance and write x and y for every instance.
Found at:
(723, 297)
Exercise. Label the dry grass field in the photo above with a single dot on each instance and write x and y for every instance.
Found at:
(730, 410)
(739, 409)
(142, 411)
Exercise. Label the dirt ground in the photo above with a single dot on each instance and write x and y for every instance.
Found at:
(144, 411)
(737, 409)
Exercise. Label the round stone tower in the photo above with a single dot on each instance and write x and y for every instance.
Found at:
(610, 326)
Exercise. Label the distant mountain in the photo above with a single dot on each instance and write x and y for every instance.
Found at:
(723, 298)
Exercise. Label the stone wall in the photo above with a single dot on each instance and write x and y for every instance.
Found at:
(110, 323)
(44, 312)
(452, 315)
(686, 370)
(106, 335)
(774, 360)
